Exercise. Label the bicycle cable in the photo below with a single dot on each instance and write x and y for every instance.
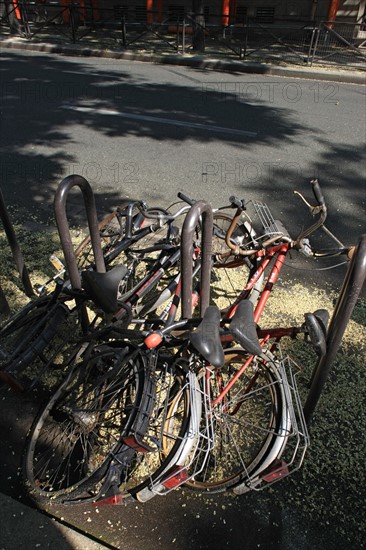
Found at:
(315, 268)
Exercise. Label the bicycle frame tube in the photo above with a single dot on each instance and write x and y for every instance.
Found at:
(233, 380)
(280, 250)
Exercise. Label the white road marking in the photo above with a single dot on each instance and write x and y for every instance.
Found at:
(160, 120)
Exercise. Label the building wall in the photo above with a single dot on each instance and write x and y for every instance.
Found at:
(264, 11)
(350, 10)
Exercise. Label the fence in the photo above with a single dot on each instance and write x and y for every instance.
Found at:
(339, 43)
(135, 28)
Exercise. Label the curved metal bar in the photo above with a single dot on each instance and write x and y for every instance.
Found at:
(16, 251)
(64, 229)
(199, 209)
(350, 291)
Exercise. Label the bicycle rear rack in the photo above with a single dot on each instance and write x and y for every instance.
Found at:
(194, 446)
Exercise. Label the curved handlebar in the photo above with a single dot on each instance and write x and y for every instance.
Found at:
(318, 192)
(320, 209)
(165, 217)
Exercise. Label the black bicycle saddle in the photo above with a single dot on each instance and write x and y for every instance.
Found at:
(206, 338)
(103, 287)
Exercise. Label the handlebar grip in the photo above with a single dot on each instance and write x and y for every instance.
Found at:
(318, 192)
(239, 203)
(185, 198)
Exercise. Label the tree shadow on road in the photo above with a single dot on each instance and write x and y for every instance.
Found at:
(46, 98)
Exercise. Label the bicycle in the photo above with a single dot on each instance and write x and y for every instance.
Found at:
(224, 387)
(227, 394)
(273, 244)
(26, 336)
(172, 420)
(48, 477)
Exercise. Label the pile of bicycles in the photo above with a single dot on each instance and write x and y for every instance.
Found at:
(168, 378)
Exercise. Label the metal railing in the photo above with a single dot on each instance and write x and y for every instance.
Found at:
(201, 215)
(339, 43)
(17, 255)
(60, 200)
(130, 28)
(348, 296)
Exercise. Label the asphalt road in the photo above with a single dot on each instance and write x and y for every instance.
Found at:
(142, 130)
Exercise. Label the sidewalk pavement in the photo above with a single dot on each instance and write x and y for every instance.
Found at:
(22, 527)
(207, 61)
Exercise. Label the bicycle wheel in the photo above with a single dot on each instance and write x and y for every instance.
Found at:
(248, 423)
(29, 335)
(166, 433)
(230, 273)
(76, 435)
(113, 232)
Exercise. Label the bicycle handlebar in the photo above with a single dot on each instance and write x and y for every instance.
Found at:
(318, 193)
(299, 243)
(235, 202)
(185, 198)
(161, 217)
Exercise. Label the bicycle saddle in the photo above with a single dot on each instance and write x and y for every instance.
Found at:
(206, 338)
(244, 329)
(103, 287)
(316, 324)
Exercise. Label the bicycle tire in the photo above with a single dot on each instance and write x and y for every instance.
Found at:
(75, 435)
(246, 424)
(243, 236)
(112, 234)
(26, 335)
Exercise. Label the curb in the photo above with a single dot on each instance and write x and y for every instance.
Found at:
(197, 62)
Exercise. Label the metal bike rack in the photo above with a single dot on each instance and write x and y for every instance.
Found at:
(64, 230)
(350, 291)
(17, 255)
(203, 210)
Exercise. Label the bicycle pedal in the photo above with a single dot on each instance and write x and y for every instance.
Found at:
(57, 264)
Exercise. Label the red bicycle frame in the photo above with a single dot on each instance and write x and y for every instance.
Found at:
(281, 251)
